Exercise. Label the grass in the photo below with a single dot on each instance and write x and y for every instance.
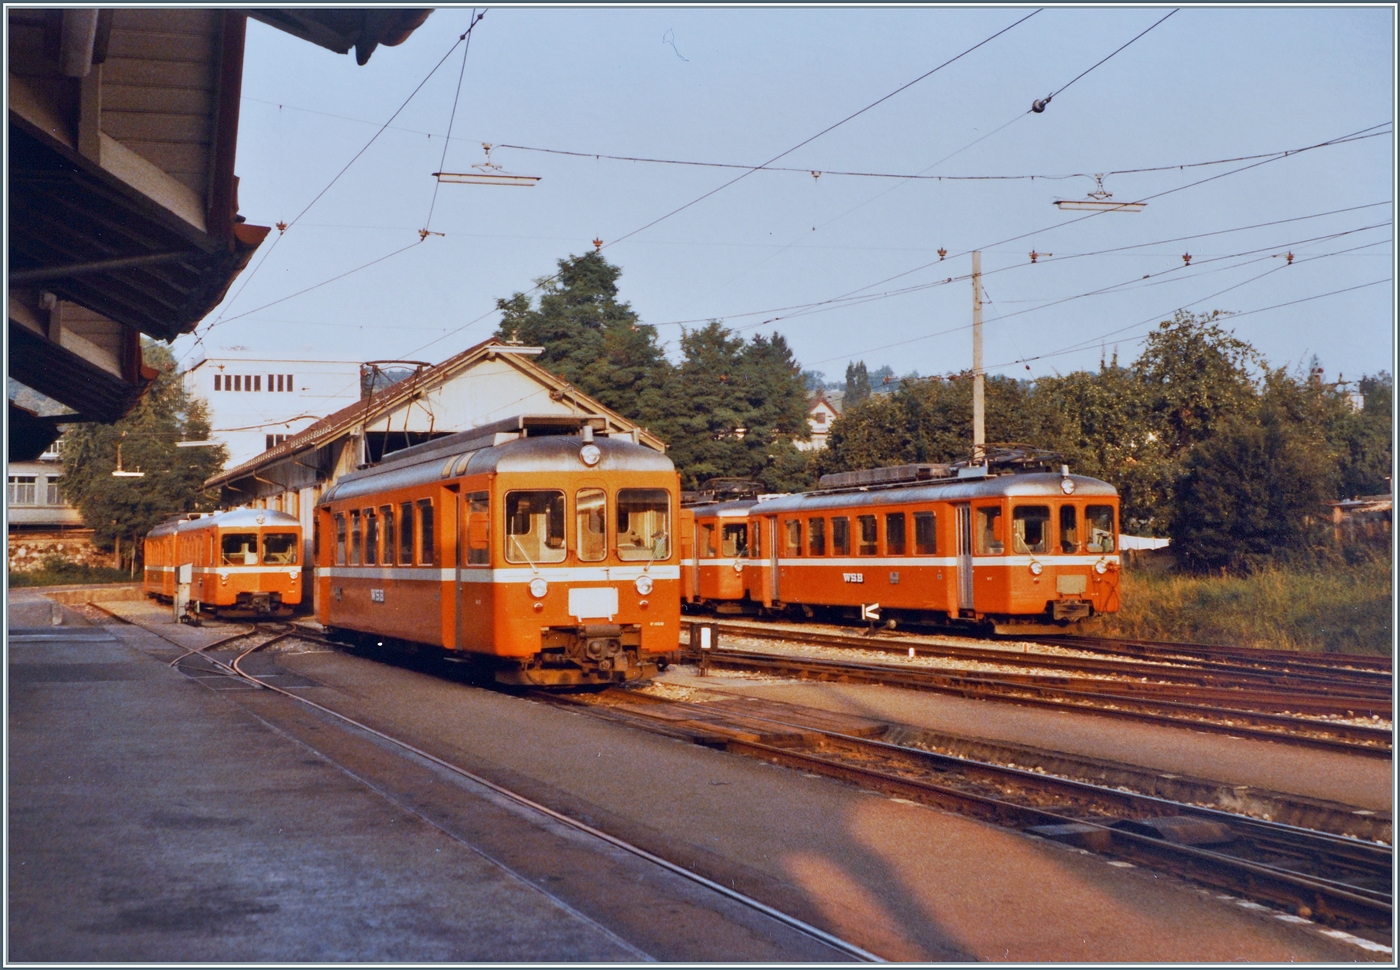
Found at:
(58, 572)
(1341, 609)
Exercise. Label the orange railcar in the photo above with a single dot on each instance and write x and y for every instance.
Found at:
(715, 546)
(548, 559)
(1024, 551)
(244, 561)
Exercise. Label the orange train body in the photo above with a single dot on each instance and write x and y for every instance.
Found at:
(549, 560)
(244, 561)
(1022, 552)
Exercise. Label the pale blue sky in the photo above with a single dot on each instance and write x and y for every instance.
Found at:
(742, 85)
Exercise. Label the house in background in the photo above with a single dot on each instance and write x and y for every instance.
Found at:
(821, 412)
(40, 521)
(256, 403)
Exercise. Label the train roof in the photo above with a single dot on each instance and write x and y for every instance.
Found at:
(737, 509)
(551, 453)
(233, 518)
(1030, 484)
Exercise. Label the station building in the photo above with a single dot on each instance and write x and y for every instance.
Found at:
(488, 384)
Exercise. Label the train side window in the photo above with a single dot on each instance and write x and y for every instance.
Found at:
(386, 512)
(1069, 529)
(356, 546)
(988, 539)
(371, 538)
(280, 548)
(756, 547)
(591, 515)
(406, 534)
(1098, 523)
(707, 540)
(240, 548)
(869, 544)
(427, 535)
(816, 537)
(792, 530)
(478, 529)
(925, 534)
(1030, 528)
(894, 534)
(735, 540)
(840, 536)
(535, 526)
(643, 524)
(315, 538)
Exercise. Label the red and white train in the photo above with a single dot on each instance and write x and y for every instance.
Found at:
(244, 561)
(1015, 547)
(534, 548)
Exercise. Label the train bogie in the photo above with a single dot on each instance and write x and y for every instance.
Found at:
(244, 562)
(548, 560)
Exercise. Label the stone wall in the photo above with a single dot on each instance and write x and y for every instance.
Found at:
(28, 550)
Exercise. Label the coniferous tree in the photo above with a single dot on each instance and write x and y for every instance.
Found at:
(857, 384)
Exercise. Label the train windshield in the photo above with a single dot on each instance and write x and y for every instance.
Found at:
(240, 548)
(592, 509)
(1030, 528)
(736, 540)
(535, 526)
(280, 548)
(1098, 521)
(643, 524)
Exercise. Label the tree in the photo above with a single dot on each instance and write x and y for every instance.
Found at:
(1365, 439)
(857, 384)
(127, 508)
(590, 339)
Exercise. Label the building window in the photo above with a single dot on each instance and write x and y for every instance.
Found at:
(21, 489)
(273, 440)
(279, 382)
(218, 379)
(53, 494)
(289, 382)
(237, 382)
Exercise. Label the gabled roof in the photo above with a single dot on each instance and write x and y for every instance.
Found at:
(385, 401)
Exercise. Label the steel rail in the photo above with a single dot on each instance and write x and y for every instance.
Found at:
(1167, 669)
(1350, 664)
(816, 933)
(1372, 742)
(1368, 860)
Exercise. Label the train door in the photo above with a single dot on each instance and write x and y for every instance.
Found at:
(453, 557)
(964, 526)
(773, 550)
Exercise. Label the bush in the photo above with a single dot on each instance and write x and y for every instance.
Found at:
(57, 571)
(1339, 609)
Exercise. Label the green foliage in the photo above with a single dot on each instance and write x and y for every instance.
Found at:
(857, 384)
(1365, 439)
(54, 570)
(128, 508)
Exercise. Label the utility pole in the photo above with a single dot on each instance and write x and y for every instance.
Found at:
(979, 406)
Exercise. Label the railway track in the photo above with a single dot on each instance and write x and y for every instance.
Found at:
(235, 667)
(1336, 879)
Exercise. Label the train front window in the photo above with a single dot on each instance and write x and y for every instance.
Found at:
(280, 548)
(988, 537)
(869, 536)
(735, 539)
(535, 527)
(591, 511)
(240, 548)
(1098, 522)
(1030, 528)
(1069, 529)
(478, 529)
(816, 537)
(643, 524)
(840, 536)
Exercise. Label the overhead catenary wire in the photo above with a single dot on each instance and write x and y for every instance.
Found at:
(452, 118)
(1039, 106)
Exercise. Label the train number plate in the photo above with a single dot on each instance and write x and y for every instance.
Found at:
(1071, 584)
(853, 577)
(593, 602)
(376, 596)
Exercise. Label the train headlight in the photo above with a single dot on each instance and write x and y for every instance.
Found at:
(1036, 568)
(590, 455)
(1100, 567)
(1067, 486)
(538, 587)
(644, 585)
(738, 566)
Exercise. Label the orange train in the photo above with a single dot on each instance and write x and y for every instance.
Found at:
(244, 561)
(533, 548)
(1015, 547)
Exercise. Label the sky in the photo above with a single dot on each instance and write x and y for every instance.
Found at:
(845, 266)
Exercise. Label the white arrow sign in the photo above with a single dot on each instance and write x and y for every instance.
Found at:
(871, 612)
